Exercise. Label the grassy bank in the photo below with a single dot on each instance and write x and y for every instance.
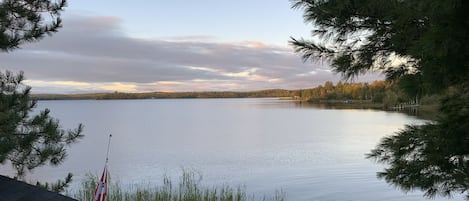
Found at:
(188, 188)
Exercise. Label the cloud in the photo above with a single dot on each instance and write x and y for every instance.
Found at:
(92, 54)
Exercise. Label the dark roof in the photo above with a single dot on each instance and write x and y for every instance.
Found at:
(13, 190)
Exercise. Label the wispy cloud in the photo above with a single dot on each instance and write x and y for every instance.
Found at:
(93, 54)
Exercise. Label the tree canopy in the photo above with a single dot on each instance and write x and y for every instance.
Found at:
(28, 20)
(398, 37)
(420, 42)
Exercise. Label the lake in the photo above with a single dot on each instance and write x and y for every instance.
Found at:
(308, 152)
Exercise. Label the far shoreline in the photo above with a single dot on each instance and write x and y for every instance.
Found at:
(425, 111)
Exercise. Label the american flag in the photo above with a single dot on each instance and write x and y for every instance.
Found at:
(101, 188)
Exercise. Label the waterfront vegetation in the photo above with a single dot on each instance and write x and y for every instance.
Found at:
(168, 95)
(377, 94)
(188, 188)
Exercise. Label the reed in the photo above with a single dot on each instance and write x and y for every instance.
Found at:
(188, 188)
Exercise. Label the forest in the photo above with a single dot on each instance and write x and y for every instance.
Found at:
(386, 93)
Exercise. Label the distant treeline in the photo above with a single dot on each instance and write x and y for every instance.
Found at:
(169, 95)
(385, 92)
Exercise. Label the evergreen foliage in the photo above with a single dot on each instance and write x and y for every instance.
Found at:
(397, 37)
(29, 141)
(58, 186)
(28, 20)
(432, 157)
(422, 44)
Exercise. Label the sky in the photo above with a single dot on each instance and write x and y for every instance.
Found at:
(177, 45)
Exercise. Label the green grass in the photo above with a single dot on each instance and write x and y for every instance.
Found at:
(188, 188)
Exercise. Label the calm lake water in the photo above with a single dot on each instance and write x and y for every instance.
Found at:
(265, 144)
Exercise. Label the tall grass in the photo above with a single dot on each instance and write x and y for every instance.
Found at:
(188, 188)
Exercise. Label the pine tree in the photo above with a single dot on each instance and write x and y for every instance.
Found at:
(26, 141)
(28, 20)
(424, 42)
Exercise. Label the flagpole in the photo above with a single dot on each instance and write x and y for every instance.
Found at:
(108, 148)
(101, 188)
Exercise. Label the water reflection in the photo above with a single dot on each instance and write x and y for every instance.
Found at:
(423, 112)
(310, 151)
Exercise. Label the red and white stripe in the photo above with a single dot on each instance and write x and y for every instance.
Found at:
(101, 188)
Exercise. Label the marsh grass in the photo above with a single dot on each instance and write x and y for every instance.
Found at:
(188, 188)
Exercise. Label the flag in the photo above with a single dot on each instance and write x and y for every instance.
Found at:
(101, 188)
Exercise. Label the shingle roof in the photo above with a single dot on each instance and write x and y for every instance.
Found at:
(13, 190)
